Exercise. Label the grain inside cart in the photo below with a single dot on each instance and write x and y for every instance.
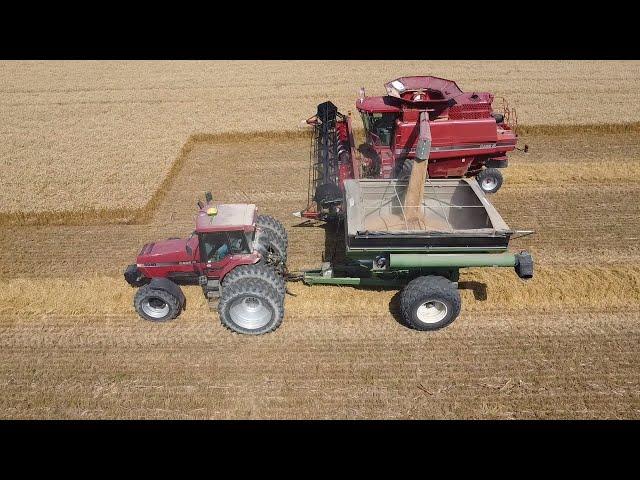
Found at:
(458, 228)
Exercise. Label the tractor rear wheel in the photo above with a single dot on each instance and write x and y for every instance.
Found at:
(275, 226)
(258, 272)
(156, 305)
(269, 243)
(250, 307)
(490, 180)
(429, 303)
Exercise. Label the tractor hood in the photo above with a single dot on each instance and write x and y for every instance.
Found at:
(165, 251)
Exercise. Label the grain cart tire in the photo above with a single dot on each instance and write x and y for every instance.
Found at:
(275, 226)
(258, 272)
(250, 307)
(405, 169)
(156, 305)
(490, 180)
(499, 117)
(270, 243)
(429, 303)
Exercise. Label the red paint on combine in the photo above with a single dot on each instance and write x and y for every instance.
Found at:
(465, 132)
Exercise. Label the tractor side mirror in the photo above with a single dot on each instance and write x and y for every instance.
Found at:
(200, 205)
(208, 197)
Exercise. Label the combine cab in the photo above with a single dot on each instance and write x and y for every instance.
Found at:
(468, 139)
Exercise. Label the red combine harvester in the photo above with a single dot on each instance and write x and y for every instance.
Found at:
(467, 139)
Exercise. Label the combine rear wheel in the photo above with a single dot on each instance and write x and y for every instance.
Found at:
(156, 305)
(490, 180)
(250, 307)
(429, 303)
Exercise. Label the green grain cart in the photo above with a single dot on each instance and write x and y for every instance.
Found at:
(458, 228)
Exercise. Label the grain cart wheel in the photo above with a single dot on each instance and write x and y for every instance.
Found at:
(405, 169)
(258, 272)
(156, 305)
(490, 180)
(275, 226)
(250, 307)
(429, 303)
(270, 243)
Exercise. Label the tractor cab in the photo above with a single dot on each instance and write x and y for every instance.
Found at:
(225, 229)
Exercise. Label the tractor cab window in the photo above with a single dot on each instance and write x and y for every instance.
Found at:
(380, 126)
(238, 242)
(214, 247)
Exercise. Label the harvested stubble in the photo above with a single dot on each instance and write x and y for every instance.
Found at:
(553, 290)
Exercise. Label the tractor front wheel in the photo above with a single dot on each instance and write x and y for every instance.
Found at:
(430, 303)
(156, 305)
(490, 180)
(250, 307)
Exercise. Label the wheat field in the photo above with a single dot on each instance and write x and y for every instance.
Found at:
(101, 136)
(562, 345)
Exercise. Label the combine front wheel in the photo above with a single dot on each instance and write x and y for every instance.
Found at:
(405, 169)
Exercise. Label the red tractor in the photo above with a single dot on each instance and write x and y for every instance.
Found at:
(236, 255)
(467, 139)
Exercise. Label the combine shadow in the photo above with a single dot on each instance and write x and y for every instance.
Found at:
(334, 244)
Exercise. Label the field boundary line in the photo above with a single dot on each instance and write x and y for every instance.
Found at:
(142, 215)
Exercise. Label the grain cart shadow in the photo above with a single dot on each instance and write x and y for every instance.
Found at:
(479, 289)
(394, 309)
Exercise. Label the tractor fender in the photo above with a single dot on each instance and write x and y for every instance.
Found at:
(168, 286)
